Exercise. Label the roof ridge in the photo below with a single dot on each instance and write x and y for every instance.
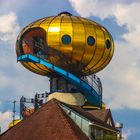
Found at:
(66, 118)
(81, 109)
(88, 115)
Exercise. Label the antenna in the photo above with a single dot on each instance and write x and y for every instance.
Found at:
(29, 105)
(14, 110)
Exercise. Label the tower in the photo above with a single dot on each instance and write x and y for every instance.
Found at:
(69, 50)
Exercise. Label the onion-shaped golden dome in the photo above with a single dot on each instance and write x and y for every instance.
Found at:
(76, 44)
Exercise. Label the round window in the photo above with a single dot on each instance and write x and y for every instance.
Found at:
(66, 39)
(107, 44)
(90, 41)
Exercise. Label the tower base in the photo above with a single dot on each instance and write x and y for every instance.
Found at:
(70, 98)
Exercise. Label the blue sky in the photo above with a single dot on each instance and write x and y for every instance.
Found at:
(120, 79)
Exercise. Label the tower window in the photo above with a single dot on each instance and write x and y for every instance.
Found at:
(66, 39)
(90, 40)
(107, 44)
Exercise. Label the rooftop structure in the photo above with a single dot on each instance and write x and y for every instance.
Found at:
(59, 121)
(69, 50)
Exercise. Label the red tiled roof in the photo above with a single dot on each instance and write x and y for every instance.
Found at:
(49, 122)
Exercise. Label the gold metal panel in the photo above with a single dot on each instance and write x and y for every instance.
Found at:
(109, 57)
(89, 50)
(103, 66)
(53, 33)
(26, 65)
(38, 22)
(100, 47)
(43, 68)
(106, 56)
(78, 41)
(32, 65)
(45, 24)
(84, 20)
(47, 20)
(93, 22)
(75, 19)
(66, 19)
(66, 29)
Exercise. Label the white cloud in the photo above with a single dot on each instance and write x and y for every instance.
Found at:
(5, 119)
(127, 134)
(121, 79)
(127, 14)
(130, 132)
(88, 8)
(8, 27)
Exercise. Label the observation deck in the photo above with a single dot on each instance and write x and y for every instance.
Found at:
(69, 50)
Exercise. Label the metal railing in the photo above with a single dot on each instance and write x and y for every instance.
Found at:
(94, 82)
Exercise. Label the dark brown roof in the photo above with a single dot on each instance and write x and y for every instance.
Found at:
(100, 114)
(96, 118)
(49, 122)
(103, 115)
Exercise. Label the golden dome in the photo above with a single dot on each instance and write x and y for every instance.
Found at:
(76, 44)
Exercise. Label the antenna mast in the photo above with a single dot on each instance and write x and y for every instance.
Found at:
(14, 110)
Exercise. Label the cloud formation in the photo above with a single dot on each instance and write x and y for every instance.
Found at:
(8, 28)
(121, 79)
(5, 119)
